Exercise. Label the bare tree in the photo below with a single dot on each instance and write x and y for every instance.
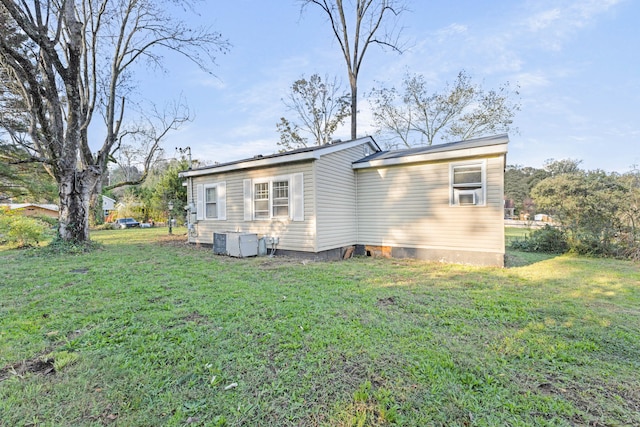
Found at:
(319, 106)
(75, 58)
(139, 146)
(465, 110)
(368, 26)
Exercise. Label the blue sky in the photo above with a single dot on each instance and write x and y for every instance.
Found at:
(577, 64)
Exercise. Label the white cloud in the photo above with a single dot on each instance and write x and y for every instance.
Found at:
(531, 80)
(551, 28)
(450, 31)
(543, 20)
(201, 79)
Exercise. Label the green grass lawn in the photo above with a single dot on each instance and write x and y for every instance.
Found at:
(148, 331)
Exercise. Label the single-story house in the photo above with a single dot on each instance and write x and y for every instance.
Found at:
(33, 209)
(108, 205)
(442, 202)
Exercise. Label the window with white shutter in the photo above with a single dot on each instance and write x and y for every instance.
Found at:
(212, 201)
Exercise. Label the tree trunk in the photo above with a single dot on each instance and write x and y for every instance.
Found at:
(75, 192)
(96, 215)
(354, 106)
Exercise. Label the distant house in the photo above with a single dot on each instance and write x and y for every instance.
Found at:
(542, 218)
(34, 209)
(443, 202)
(509, 209)
(108, 205)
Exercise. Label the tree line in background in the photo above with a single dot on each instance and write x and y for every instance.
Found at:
(597, 212)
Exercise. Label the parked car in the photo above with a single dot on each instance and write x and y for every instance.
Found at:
(126, 223)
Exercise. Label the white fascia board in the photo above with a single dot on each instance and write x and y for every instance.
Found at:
(252, 163)
(343, 146)
(279, 160)
(432, 157)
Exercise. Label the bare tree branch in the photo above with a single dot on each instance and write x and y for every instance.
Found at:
(461, 111)
(319, 105)
(367, 21)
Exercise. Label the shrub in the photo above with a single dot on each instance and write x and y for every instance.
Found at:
(22, 230)
(599, 211)
(547, 239)
(59, 246)
(103, 226)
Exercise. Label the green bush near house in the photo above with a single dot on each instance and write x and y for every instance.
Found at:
(548, 239)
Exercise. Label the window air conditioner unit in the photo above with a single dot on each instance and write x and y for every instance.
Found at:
(466, 197)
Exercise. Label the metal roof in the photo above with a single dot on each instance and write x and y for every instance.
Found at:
(300, 154)
(448, 147)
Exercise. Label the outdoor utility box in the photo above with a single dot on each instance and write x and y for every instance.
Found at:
(235, 244)
(262, 246)
(220, 243)
(242, 244)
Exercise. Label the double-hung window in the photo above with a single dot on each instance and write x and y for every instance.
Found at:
(271, 199)
(280, 204)
(211, 201)
(261, 200)
(278, 197)
(468, 184)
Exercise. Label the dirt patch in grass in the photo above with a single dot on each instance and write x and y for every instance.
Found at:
(385, 302)
(196, 318)
(583, 397)
(180, 241)
(37, 365)
(271, 263)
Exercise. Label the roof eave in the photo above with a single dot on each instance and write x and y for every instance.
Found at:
(279, 160)
(488, 150)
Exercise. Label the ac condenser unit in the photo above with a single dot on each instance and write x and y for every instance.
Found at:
(235, 244)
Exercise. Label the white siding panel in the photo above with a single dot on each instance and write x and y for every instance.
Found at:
(297, 197)
(294, 235)
(247, 196)
(408, 206)
(336, 199)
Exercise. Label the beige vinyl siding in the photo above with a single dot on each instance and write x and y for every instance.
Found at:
(408, 206)
(294, 235)
(336, 199)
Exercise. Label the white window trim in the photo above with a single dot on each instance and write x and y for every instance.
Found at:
(452, 193)
(296, 203)
(221, 201)
(270, 181)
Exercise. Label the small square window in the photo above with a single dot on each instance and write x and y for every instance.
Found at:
(468, 184)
